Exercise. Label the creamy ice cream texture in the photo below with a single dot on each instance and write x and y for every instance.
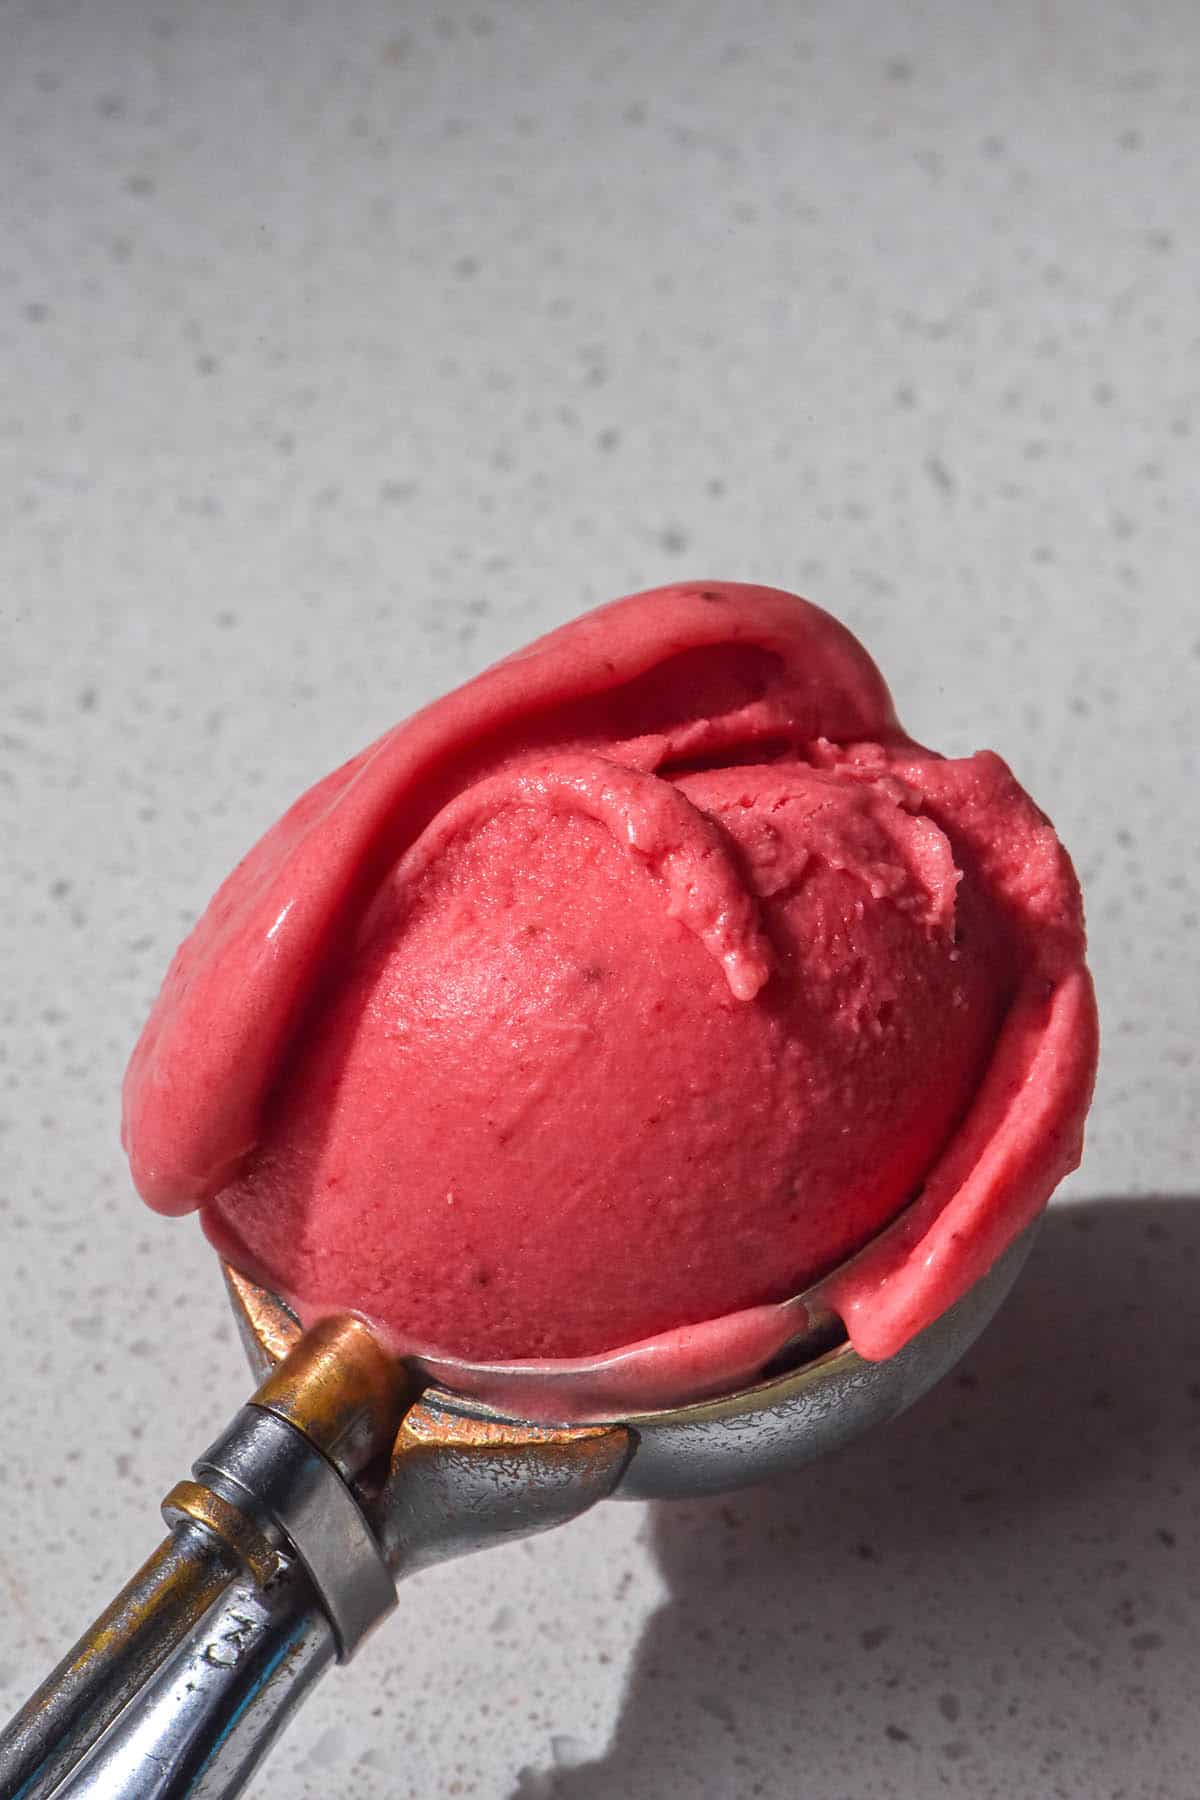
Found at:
(623, 993)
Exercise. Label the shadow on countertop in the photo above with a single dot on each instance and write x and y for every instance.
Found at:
(997, 1595)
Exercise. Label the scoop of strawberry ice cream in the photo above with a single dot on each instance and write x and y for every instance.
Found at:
(633, 986)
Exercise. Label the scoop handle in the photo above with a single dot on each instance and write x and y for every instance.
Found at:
(272, 1568)
(133, 1636)
(325, 1489)
(203, 1723)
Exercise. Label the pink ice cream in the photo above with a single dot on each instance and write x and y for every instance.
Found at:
(623, 993)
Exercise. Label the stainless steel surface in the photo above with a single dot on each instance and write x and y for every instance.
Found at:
(112, 1661)
(276, 1501)
(460, 1476)
(782, 1424)
(816, 1403)
(204, 1722)
(716, 1446)
(460, 1482)
(276, 1473)
(204, 1692)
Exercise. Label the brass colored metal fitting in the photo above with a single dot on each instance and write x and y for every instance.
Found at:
(342, 1390)
(268, 1329)
(192, 1500)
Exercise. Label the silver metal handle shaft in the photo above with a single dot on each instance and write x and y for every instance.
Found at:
(111, 1663)
(203, 1723)
(327, 1488)
(272, 1569)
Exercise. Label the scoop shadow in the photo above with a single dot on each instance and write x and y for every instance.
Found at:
(1001, 1587)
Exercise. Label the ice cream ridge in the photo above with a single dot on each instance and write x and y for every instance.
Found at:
(650, 978)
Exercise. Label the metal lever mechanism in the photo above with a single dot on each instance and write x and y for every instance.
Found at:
(330, 1485)
(269, 1536)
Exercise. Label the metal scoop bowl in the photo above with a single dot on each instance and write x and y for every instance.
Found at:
(348, 1471)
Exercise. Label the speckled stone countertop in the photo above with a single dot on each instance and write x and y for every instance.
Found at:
(345, 348)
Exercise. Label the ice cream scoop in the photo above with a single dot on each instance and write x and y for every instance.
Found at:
(339, 1479)
(708, 788)
(658, 938)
